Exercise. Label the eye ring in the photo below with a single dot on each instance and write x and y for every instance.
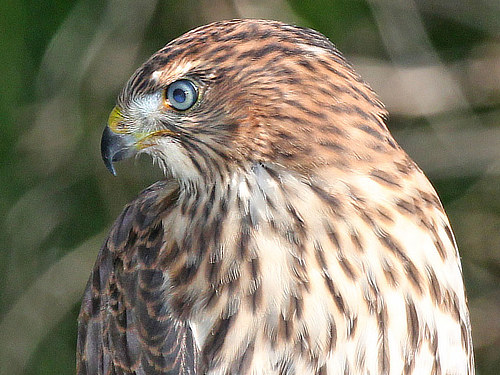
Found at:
(181, 94)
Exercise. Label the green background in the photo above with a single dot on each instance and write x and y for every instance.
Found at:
(435, 64)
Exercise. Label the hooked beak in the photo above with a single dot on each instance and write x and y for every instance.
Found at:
(116, 147)
(116, 143)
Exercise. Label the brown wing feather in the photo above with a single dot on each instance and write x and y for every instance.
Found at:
(125, 325)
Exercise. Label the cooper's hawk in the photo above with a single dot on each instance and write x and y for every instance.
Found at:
(292, 234)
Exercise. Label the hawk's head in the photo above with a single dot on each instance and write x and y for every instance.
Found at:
(234, 93)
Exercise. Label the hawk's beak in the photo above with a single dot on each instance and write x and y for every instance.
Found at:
(116, 147)
(116, 144)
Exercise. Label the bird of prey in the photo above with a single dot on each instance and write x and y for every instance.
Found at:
(291, 235)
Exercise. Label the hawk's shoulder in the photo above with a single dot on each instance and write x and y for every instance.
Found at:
(125, 325)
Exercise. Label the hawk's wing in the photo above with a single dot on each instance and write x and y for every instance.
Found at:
(125, 325)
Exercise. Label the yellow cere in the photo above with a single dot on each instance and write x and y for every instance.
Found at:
(114, 120)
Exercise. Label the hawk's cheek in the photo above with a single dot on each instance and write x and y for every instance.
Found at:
(151, 139)
(116, 147)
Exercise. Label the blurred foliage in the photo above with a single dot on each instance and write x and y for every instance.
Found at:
(63, 63)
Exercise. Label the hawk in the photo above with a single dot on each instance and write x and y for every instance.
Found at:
(292, 235)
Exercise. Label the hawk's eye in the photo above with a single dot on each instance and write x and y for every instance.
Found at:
(182, 94)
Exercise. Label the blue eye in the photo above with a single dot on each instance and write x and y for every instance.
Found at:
(182, 94)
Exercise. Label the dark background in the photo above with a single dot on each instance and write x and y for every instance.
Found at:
(435, 64)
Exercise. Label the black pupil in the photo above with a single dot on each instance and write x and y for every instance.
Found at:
(179, 95)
